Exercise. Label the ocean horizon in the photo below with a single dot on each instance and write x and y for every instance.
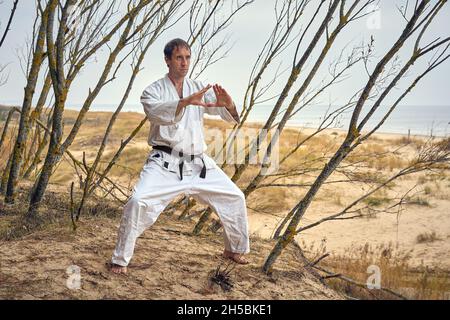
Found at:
(417, 120)
(412, 119)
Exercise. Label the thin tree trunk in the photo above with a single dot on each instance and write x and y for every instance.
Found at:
(5, 127)
(42, 144)
(187, 209)
(88, 187)
(201, 222)
(8, 25)
(61, 86)
(289, 234)
(296, 70)
(5, 177)
(24, 124)
(56, 64)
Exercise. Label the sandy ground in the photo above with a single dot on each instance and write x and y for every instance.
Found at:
(168, 263)
(383, 230)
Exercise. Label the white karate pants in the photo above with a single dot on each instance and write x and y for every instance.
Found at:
(155, 189)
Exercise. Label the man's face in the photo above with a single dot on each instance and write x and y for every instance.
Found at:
(179, 62)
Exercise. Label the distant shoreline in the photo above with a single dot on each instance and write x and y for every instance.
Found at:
(290, 126)
(344, 130)
(341, 130)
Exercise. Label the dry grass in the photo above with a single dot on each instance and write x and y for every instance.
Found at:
(415, 142)
(130, 162)
(270, 200)
(377, 156)
(337, 199)
(54, 212)
(396, 273)
(435, 185)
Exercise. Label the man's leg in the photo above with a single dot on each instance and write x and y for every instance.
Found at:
(218, 191)
(154, 190)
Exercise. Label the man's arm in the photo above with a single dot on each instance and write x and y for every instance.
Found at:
(183, 103)
(233, 111)
(159, 111)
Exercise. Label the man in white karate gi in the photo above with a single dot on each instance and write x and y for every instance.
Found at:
(178, 163)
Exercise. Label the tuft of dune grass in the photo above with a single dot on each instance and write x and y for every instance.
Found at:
(427, 237)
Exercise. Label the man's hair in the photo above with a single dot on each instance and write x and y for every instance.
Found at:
(175, 43)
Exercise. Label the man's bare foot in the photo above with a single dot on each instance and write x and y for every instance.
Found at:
(118, 269)
(236, 257)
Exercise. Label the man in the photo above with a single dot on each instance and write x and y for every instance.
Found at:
(178, 164)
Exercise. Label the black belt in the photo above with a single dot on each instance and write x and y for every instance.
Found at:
(169, 150)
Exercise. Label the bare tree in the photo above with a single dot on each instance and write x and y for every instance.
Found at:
(151, 33)
(5, 149)
(6, 126)
(24, 124)
(420, 19)
(80, 51)
(205, 26)
(33, 60)
(40, 139)
(432, 156)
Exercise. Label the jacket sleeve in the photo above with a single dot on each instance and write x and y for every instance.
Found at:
(159, 112)
(210, 97)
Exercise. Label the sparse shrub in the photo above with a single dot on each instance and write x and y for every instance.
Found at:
(419, 201)
(427, 237)
(376, 201)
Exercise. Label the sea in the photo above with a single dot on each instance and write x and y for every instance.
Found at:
(405, 119)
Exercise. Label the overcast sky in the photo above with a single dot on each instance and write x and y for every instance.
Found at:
(249, 30)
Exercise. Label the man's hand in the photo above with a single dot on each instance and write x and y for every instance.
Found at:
(223, 99)
(194, 99)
